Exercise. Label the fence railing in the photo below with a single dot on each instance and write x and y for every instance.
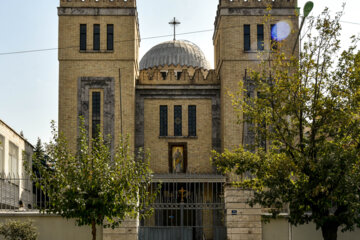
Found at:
(21, 194)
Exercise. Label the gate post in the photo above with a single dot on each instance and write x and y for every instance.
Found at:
(242, 221)
(128, 230)
(181, 219)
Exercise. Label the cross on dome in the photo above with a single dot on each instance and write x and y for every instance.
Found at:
(174, 22)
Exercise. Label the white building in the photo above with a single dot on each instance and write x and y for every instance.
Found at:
(15, 185)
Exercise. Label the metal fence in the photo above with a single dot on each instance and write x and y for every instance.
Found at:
(186, 208)
(20, 193)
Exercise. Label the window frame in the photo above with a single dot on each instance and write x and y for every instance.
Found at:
(247, 37)
(178, 75)
(163, 114)
(96, 37)
(97, 120)
(83, 37)
(273, 39)
(177, 124)
(164, 74)
(2, 154)
(192, 118)
(13, 147)
(110, 37)
(260, 37)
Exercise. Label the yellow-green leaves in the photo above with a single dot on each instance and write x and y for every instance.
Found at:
(96, 182)
(307, 109)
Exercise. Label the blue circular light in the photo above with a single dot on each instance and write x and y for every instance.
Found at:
(280, 31)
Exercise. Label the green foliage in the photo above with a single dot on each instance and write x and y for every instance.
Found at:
(308, 110)
(39, 149)
(95, 186)
(15, 230)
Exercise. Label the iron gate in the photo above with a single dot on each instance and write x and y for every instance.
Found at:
(186, 209)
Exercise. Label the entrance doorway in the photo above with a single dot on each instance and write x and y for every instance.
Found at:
(186, 211)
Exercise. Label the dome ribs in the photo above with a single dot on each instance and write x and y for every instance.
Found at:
(183, 53)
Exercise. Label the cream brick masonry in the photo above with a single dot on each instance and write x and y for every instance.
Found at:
(199, 148)
(120, 65)
(232, 63)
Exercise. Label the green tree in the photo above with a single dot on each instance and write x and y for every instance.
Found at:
(94, 186)
(307, 109)
(39, 153)
(39, 149)
(15, 230)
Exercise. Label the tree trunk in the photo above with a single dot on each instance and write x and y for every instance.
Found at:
(329, 231)
(93, 226)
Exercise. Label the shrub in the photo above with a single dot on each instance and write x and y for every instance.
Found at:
(16, 230)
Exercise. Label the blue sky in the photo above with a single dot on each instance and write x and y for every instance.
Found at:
(29, 81)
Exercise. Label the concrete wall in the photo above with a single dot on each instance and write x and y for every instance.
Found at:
(50, 227)
(280, 229)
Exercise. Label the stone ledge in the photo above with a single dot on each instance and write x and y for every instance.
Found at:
(256, 12)
(179, 87)
(33, 213)
(77, 11)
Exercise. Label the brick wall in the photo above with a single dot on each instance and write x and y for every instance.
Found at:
(120, 64)
(198, 148)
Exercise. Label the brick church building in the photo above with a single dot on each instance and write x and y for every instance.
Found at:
(171, 103)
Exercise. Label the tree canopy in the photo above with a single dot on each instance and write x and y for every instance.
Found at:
(94, 185)
(307, 109)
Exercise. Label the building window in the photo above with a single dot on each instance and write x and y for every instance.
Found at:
(96, 37)
(2, 153)
(192, 120)
(163, 121)
(13, 160)
(247, 45)
(110, 37)
(178, 75)
(273, 37)
(260, 37)
(83, 37)
(96, 114)
(177, 121)
(261, 134)
(163, 74)
(26, 177)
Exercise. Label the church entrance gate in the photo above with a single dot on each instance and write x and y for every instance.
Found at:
(186, 209)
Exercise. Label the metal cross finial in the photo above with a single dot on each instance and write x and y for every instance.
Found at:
(174, 22)
(182, 191)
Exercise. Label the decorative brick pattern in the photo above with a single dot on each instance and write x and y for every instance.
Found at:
(198, 76)
(98, 3)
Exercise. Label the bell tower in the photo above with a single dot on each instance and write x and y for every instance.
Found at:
(246, 31)
(242, 31)
(98, 65)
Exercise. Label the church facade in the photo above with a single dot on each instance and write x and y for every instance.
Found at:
(170, 103)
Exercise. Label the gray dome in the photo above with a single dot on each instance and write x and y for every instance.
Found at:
(179, 52)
